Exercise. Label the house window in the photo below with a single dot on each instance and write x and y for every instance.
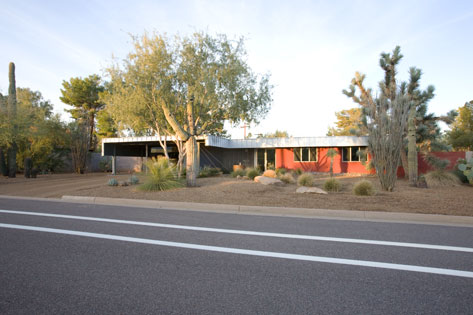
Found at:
(351, 154)
(305, 154)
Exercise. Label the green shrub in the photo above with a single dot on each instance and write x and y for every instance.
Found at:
(133, 180)
(287, 178)
(112, 182)
(105, 164)
(252, 173)
(306, 179)
(238, 172)
(299, 171)
(281, 171)
(207, 171)
(441, 178)
(460, 176)
(332, 184)
(161, 176)
(364, 188)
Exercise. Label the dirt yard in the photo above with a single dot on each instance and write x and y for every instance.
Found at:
(227, 190)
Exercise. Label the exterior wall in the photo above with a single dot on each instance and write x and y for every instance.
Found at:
(423, 167)
(285, 158)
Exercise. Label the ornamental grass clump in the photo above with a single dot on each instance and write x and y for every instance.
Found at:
(364, 188)
(332, 185)
(441, 178)
(281, 171)
(252, 173)
(306, 179)
(161, 176)
(287, 178)
(238, 172)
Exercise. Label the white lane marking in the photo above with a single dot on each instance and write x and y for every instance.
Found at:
(243, 232)
(352, 262)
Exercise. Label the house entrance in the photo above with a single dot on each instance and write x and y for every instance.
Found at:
(266, 159)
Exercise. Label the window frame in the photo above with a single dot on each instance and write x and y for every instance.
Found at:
(310, 150)
(349, 154)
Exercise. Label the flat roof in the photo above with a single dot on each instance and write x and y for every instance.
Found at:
(291, 142)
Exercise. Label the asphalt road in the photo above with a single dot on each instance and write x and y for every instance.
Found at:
(181, 262)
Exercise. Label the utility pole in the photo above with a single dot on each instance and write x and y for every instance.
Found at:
(244, 130)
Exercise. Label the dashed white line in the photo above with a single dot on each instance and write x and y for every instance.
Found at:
(243, 232)
(362, 263)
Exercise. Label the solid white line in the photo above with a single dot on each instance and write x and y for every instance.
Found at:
(243, 232)
(362, 263)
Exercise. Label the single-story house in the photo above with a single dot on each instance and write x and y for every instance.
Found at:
(307, 153)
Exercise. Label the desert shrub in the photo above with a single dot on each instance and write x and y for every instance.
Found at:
(306, 179)
(364, 188)
(133, 180)
(299, 171)
(332, 184)
(270, 173)
(161, 176)
(238, 172)
(112, 182)
(281, 171)
(207, 171)
(105, 164)
(287, 178)
(460, 175)
(252, 173)
(441, 178)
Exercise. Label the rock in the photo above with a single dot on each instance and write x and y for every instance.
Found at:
(313, 190)
(270, 173)
(268, 181)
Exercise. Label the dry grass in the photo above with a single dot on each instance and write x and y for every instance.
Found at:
(441, 178)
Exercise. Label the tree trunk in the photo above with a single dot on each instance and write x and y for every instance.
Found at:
(404, 163)
(11, 153)
(331, 167)
(412, 148)
(192, 166)
(3, 164)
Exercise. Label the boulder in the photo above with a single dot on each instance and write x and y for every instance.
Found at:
(270, 173)
(313, 190)
(268, 181)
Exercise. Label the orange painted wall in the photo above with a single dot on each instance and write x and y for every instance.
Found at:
(424, 167)
(285, 158)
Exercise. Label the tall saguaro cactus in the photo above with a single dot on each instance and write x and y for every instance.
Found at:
(11, 152)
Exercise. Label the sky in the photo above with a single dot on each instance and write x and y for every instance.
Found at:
(311, 49)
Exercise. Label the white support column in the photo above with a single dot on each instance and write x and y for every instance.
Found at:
(114, 160)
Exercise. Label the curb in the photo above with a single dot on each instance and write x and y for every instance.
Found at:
(376, 216)
(352, 215)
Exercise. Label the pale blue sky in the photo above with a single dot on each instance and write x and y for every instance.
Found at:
(311, 48)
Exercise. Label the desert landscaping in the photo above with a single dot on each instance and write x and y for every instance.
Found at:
(224, 189)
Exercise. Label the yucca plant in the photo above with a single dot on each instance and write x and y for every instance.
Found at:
(161, 176)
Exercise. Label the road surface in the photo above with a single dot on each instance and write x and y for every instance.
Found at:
(71, 258)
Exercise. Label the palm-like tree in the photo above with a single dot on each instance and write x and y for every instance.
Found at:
(331, 153)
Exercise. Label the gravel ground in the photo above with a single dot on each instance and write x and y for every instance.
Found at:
(226, 190)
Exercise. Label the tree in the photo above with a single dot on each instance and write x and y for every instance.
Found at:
(201, 82)
(12, 148)
(385, 118)
(348, 123)
(331, 153)
(461, 134)
(83, 95)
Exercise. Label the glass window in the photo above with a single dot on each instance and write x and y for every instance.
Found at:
(354, 153)
(313, 154)
(346, 154)
(297, 154)
(305, 155)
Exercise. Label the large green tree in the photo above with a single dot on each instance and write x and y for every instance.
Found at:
(348, 123)
(460, 137)
(83, 95)
(201, 82)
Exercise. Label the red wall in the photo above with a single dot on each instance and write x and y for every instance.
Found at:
(424, 167)
(285, 158)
